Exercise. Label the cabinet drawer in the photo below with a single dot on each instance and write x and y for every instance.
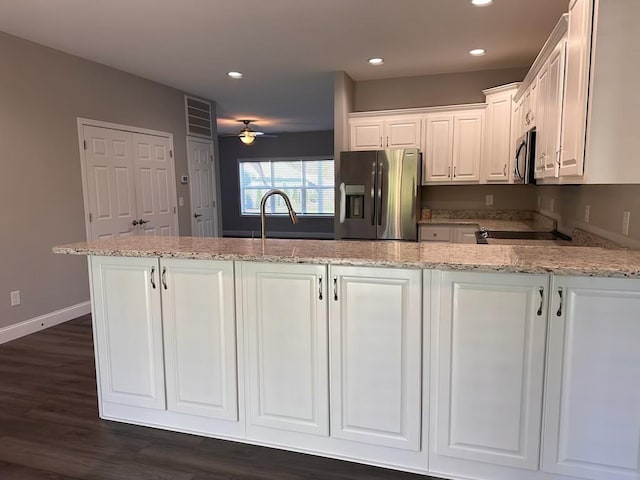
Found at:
(433, 233)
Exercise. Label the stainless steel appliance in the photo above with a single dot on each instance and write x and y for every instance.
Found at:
(377, 194)
(525, 158)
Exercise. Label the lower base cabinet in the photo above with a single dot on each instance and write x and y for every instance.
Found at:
(375, 343)
(285, 325)
(488, 347)
(427, 371)
(592, 424)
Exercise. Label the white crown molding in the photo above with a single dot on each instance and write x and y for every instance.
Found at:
(502, 88)
(419, 110)
(560, 30)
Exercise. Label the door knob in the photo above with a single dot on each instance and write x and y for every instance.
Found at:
(142, 222)
(196, 215)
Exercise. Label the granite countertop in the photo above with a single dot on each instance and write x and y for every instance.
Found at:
(521, 225)
(582, 261)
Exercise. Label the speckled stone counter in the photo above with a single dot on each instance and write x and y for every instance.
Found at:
(582, 261)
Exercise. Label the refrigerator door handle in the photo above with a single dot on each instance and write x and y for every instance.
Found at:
(373, 195)
(379, 205)
(343, 203)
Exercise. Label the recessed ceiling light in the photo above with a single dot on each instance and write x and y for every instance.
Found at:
(235, 74)
(481, 3)
(376, 61)
(478, 52)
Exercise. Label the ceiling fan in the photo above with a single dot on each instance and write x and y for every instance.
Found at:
(248, 135)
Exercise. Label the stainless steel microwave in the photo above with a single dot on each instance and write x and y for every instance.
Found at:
(525, 158)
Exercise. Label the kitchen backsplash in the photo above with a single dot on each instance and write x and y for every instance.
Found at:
(474, 197)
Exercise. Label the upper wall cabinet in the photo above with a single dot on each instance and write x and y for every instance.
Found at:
(376, 132)
(498, 138)
(586, 120)
(452, 147)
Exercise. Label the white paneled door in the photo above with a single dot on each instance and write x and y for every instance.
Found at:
(129, 183)
(109, 174)
(155, 184)
(204, 222)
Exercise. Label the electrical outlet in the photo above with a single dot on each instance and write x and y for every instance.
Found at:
(15, 298)
(626, 217)
(587, 213)
(488, 199)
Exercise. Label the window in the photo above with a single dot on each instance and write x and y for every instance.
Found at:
(309, 183)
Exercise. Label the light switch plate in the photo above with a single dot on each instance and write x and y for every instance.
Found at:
(15, 298)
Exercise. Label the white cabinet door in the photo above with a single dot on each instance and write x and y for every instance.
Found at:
(467, 146)
(200, 337)
(498, 139)
(285, 314)
(128, 330)
(592, 424)
(541, 127)
(402, 132)
(553, 110)
(464, 234)
(438, 151)
(488, 343)
(375, 332)
(574, 116)
(366, 134)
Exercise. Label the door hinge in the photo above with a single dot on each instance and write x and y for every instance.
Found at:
(171, 153)
(84, 144)
(90, 217)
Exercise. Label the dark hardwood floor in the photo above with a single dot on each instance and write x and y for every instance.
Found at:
(49, 428)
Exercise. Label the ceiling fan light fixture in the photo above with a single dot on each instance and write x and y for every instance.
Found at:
(246, 137)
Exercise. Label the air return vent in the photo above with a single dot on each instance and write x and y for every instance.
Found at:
(198, 117)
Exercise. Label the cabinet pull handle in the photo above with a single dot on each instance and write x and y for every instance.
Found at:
(320, 287)
(381, 144)
(164, 277)
(373, 191)
(559, 312)
(152, 277)
(541, 291)
(504, 170)
(454, 172)
(335, 288)
(449, 172)
(387, 141)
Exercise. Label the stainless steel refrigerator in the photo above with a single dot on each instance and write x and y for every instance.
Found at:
(377, 194)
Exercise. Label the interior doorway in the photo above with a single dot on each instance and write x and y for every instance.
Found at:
(202, 187)
(128, 180)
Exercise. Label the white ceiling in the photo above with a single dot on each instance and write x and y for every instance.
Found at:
(287, 49)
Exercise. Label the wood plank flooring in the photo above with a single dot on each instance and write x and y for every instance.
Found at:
(50, 430)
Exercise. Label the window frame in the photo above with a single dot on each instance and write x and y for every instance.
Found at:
(272, 160)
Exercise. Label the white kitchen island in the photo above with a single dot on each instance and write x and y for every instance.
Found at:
(461, 361)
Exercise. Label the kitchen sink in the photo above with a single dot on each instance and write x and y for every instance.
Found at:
(482, 236)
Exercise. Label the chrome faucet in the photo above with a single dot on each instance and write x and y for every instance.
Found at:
(263, 202)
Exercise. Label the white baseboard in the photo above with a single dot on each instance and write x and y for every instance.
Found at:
(17, 330)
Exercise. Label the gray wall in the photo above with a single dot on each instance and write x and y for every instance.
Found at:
(607, 204)
(42, 92)
(305, 144)
(472, 197)
(431, 90)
